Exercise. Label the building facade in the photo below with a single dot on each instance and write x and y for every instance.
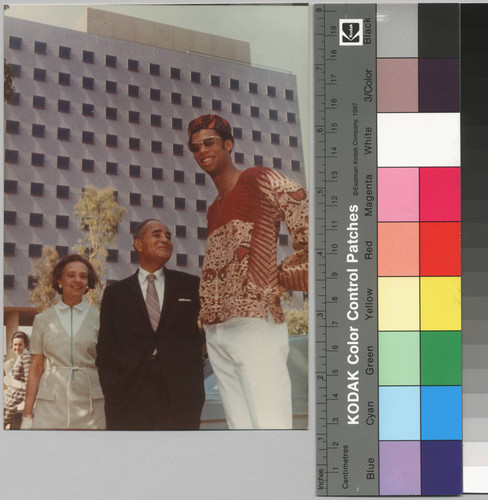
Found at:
(99, 110)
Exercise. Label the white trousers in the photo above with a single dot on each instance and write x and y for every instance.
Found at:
(248, 356)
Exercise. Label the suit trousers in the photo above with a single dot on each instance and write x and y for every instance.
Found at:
(248, 356)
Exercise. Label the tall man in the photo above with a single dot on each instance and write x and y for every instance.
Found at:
(149, 346)
(242, 283)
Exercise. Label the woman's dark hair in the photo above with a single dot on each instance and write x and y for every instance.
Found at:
(59, 267)
(23, 336)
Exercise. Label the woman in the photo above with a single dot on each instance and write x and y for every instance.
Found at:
(16, 373)
(63, 380)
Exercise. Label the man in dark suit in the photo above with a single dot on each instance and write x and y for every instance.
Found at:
(148, 356)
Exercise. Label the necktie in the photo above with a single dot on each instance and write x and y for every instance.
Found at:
(152, 302)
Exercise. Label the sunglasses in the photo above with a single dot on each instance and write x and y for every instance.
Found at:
(194, 147)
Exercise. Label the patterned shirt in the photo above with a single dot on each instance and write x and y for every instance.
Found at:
(240, 275)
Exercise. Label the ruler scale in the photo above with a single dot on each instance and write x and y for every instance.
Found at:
(345, 180)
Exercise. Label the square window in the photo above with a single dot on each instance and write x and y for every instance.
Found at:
(88, 83)
(154, 69)
(180, 203)
(293, 141)
(37, 159)
(111, 87)
(111, 168)
(112, 255)
(277, 163)
(201, 205)
(180, 231)
(155, 94)
(111, 61)
(289, 95)
(135, 199)
(237, 132)
(133, 225)
(254, 111)
(256, 135)
(62, 250)
(216, 105)
(200, 179)
(64, 79)
(10, 186)
(63, 162)
(157, 174)
(62, 221)
(283, 240)
(9, 217)
(258, 161)
(175, 73)
(64, 106)
(156, 147)
(8, 281)
(38, 102)
(87, 137)
(291, 117)
(134, 258)
(177, 124)
(157, 201)
(133, 65)
(239, 157)
(178, 149)
(134, 116)
(134, 143)
(35, 250)
(295, 165)
(88, 109)
(37, 189)
(111, 113)
(88, 56)
(62, 192)
(175, 98)
(39, 74)
(63, 134)
(134, 171)
(196, 101)
(156, 120)
(133, 90)
(202, 233)
(195, 77)
(64, 52)
(215, 80)
(234, 84)
(271, 91)
(253, 88)
(181, 259)
(11, 156)
(15, 99)
(111, 140)
(273, 114)
(40, 48)
(36, 220)
(13, 127)
(235, 108)
(275, 138)
(179, 176)
(9, 249)
(87, 165)
(15, 42)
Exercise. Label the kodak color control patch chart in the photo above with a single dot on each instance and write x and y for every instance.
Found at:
(387, 146)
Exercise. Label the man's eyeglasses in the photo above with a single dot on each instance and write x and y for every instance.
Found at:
(209, 141)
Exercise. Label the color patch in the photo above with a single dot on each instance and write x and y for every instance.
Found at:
(398, 249)
(399, 358)
(441, 358)
(440, 193)
(441, 413)
(440, 303)
(400, 413)
(400, 468)
(398, 85)
(438, 87)
(398, 304)
(442, 473)
(440, 249)
(398, 194)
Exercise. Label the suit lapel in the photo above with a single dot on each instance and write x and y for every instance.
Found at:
(136, 293)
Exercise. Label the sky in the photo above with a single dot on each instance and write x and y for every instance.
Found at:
(277, 33)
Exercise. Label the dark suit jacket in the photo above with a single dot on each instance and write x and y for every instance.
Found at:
(127, 341)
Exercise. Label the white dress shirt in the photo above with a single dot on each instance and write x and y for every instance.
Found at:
(158, 283)
(64, 314)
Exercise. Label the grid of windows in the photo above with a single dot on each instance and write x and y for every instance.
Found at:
(157, 174)
(239, 158)
(216, 105)
(155, 94)
(291, 117)
(112, 255)
(200, 179)
(273, 114)
(179, 176)
(235, 108)
(175, 98)
(36, 219)
(111, 61)
(39, 74)
(254, 111)
(10, 186)
(180, 203)
(133, 65)
(64, 52)
(88, 83)
(134, 143)
(234, 84)
(35, 250)
(11, 156)
(176, 123)
(157, 201)
(63, 134)
(253, 88)
(271, 91)
(63, 162)
(62, 221)
(13, 127)
(9, 217)
(40, 48)
(195, 77)
(88, 56)
(62, 192)
(88, 109)
(62, 250)
(156, 120)
(156, 147)
(37, 189)
(135, 199)
(8, 281)
(180, 231)
(178, 149)
(133, 90)
(9, 249)
(134, 170)
(15, 42)
(31, 282)
(64, 106)
(275, 138)
(154, 69)
(17, 70)
(87, 165)
(258, 160)
(201, 205)
(175, 73)
(293, 141)
(289, 95)
(181, 259)
(111, 140)
(196, 101)
(111, 113)
(15, 99)
(277, 163)
(111, 168)
(237, 132)
(295, 165)
(256, 135)
(110, 87)
(202, 233)
(37, 159)
(64, 79)
(38, 102)
(215, 80)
